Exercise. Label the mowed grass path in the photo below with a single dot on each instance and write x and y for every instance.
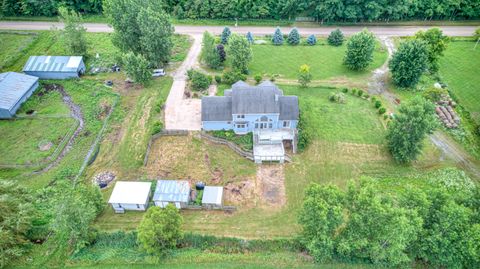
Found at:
(325, 61)
(460, 69)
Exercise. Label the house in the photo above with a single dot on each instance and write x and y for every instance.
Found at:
(212, 197)
(130, 195)
(263, 110)
(15, 88)
(246, 108)
(176, 192)
(55, 67)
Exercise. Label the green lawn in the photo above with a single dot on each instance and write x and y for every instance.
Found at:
(12, 45)
(325, 61)
(460, 70)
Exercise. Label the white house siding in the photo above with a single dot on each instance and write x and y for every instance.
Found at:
(135, 207)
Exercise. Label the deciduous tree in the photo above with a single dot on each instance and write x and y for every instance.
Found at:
(360, 49)
(136, 67)
(209, 54)
(436, 43)
(304, 75)
(73, 31)
(409, 63)
(240, 53)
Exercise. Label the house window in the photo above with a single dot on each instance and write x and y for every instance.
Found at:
(256, 125)
(138, 206)
(240, 116)
(270, 126)
(241, 126)
(286, 123)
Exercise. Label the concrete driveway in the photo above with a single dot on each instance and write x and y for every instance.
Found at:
(181, 113)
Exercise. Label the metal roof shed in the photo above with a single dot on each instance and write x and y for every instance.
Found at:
(130, 195)
(212, 196)
(15, 88)
(55, 67)
(176, 192)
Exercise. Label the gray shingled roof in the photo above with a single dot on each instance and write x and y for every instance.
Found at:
(216, 108)
(246, 99)
(288, 108)
(13, 86)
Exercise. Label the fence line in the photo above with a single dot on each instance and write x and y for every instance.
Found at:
(158, 135)
(203, 207)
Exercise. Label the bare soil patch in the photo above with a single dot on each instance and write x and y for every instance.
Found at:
(271, 185)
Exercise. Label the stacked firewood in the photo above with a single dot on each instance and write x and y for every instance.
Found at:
(446, 113)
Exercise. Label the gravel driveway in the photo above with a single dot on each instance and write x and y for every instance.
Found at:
(181, 113)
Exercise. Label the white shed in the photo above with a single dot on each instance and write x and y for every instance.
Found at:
(176, 192)
(130, 195)
(212, 197)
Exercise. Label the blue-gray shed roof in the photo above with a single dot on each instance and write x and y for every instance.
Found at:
(53, 64)
(172, 191)
(13, 86)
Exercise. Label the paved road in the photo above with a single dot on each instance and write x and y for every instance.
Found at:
(184, 29)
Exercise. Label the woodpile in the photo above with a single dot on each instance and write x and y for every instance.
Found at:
(446, 113)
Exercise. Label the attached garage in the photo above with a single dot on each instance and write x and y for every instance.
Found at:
(15, 88)
(130, 195)
(55, 67)
(176, 192)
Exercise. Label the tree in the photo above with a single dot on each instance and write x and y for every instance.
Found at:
(311, 40)
(136, 67)
(436, 44)
(199, 81)
(277, 38)
(15, 220)
(335, 38)
(476, 35)
(73, 31)
(156, 38)
(225, 35)
(160, 229)
(304, 75)
(408, 63)
(409, 127)
(293, 37)
(321, 216)
(240, 53)
(360, 49)
(222, 55)
(250, 37)
(209, 54)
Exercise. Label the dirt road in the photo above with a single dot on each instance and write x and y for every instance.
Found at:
(181, 113)
(193, 30)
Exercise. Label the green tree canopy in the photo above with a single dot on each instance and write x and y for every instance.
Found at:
(160, 229)
(240, 53)
(335, 38)
(436, 43)
(293, 37)
(360, 49)
(277, 38)
(209, 53)
(225, 35)
(136, 67)
(73, 31)
(408, 63)
(409, 128)
(304, 75)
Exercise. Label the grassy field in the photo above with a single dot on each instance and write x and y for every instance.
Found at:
(325, 61)
(12, 45)
(460, 70)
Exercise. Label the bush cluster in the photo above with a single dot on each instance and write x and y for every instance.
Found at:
(230, 77)
(198, 80)
(337, 97)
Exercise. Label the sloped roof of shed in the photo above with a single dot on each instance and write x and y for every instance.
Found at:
(172, 191)
(212, 195)
(13, 86)
(53, 64)
(130, 192)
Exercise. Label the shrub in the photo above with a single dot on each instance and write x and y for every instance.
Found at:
(385, 117)
(354, 91)
(250, 38)
(218, 79)
(335, 38)
(311, 40)
(360, 93)
(434, 94)
(231, 77)
(382, 111)
(304, 75)
(373, 99)
(277, 38)
(337, 97)
(345, 90)
(293, 37)
(199, 81)
(378, 104)
(222, 55)
(273, 77)
(305, 132)
(366, 96)
(225, 35)
(257, 78)
(157, 127)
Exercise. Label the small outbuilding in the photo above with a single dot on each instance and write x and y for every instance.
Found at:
(176, 192)
(55, 67)
(212, 197)
(130, 195)
(15, 88)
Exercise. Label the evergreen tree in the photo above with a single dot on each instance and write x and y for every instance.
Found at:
(293, 37)
(240, 53)
(360, 49)
(136, 67)
(335, 38)
(250, 37)
(225, 35)
(311, 40)
(73, 31)
(409, 127)
(408, 63)
(277, 37)
(222, 55)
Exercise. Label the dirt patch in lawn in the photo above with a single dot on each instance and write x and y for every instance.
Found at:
(271, 185)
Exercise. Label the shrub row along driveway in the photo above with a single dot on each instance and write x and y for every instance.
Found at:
(181, 113)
